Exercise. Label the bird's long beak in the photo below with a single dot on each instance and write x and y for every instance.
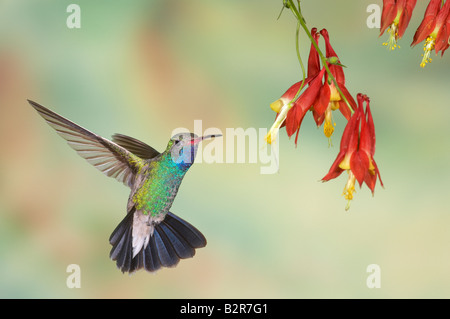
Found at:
(201, 138)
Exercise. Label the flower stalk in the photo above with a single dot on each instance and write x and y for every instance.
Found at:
(298, 14)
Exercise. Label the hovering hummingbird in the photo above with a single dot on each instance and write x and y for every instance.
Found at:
(149, 236)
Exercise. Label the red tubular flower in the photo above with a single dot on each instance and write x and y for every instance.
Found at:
(291, 113)
(329, 99)
(395, 18)
(320, 96)
(302, 104)
(356, 152)
(314, 59)
(337, 70)
(447, 28)
(434, 29)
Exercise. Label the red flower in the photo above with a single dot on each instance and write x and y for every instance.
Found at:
(435, 28)
(314, 59)
(320, 96)
(329, 99)
(291, 113)
(357, 151)
(395, 18)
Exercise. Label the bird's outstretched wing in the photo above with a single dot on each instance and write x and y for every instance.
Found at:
(135, 146)
(108, 157)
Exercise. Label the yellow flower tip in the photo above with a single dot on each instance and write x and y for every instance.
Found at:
(348, 192)
(427, 48)
(335, 97)
(345, 164)
(268, 138)
(393, 38)
(328, 126)
(271, 137)
(328, 129)
(349, 188)
(277, 105)
(330, 142)
(347, 207)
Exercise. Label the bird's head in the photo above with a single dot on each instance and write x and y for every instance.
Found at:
(183, 147)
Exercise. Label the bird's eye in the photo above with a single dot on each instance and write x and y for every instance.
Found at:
(177, 139)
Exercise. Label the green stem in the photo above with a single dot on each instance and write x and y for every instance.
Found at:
(301, 21)
(297, 45)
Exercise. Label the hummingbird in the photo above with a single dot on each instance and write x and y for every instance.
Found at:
(150, 236)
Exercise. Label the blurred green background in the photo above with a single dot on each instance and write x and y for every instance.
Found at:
(146, 68)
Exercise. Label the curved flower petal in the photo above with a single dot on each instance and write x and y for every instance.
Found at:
(337, 70)
(343, 107)
(388, 14)
(359, 164)
(428, 22)
(294, 118)
(313, 59)
(408, 7)
(368, 133)
(335, 170)
(321, 103)
(441, 24)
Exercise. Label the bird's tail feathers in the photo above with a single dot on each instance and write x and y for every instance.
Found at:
(173, 239)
